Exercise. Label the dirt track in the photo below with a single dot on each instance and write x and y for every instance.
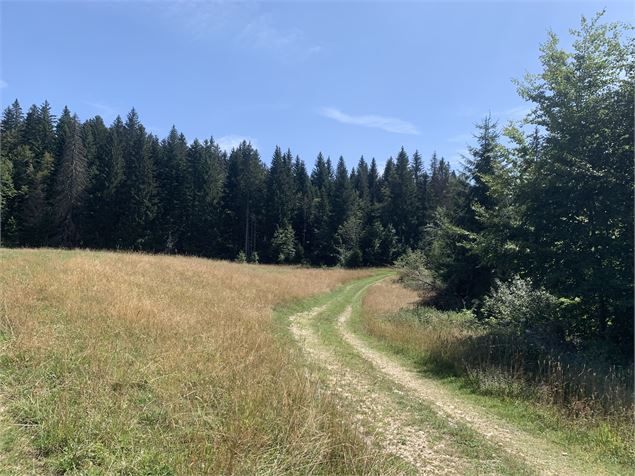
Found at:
(381, 420)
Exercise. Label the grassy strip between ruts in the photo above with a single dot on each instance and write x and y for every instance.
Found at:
(595, 443)
(476, 455)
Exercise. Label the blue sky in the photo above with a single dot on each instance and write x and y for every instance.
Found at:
(342, 78)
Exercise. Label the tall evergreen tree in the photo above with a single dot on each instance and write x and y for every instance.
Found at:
(281, 194)
(578, 193)
(361, 183)
(374, 183)
(138, 189)
(207, 162)
(321, 232)
(12, 190)
(402, 200)
(305, 194)
(343, 197)
(243, 200)
(107, 173)
(420, 207)
(71, 182)
(174, 186)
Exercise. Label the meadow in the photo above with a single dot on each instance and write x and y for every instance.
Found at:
(138, 364)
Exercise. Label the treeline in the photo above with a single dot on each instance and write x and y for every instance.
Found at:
(547, 222)
(73, 184)
(549, 200)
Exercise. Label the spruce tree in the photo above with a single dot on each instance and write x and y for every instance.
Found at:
(281, 194)
(138, 189)
(343, 197)
(374, 183)
(323, 249)
(71, 182)
(243, 201)
(420, 207)
(578, 193)
(12, 193)
(106, 169)
(207, 162)
(174, 187)
(305, 195)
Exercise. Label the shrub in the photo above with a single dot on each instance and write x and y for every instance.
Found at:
(413, 272)
(283, 244)
(241, 257)
(519, 306)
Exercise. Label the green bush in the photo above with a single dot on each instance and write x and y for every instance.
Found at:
(242, 257)
(413, 272)
(520, 307)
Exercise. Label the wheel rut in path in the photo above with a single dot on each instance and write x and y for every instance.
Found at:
(538, 454)
(377, 416)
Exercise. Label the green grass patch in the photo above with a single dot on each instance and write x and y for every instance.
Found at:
(480, 456)
(421, 337)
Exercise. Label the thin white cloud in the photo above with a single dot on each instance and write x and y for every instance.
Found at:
(3, 84)
(244, 23)
(466, 111)
(260, 32)
(459, 155)
(105, 110)
(232, 141)
(513, 113)
(461, 138)
(389, 124)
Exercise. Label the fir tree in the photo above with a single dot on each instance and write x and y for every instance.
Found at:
(305, 194)
(71, 182)
(138, 189)
(243, 200)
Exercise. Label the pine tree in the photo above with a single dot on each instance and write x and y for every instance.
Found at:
(35, 217)
(138, 189)
(484, 162)
(243, 201)
(343, 197)
(305, 194)
(39, 131)
(420, 207)
(578, 193)
(374, 183)
(403, 201)
(207, 163)
(323, 249)
(7, 192)
(361, 183)
(71, 182)
(174, 186)
(12, 121)
(346, 218)
(439, 193)
(322, 175)
(281, 194)
(13, 186)
(106, 171)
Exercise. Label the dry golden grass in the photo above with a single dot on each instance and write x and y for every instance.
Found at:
(388, 296)
(383, 299)
(138, 364)
(587, 404)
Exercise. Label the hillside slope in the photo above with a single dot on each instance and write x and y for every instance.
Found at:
(140, 364)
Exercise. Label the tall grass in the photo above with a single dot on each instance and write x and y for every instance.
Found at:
(134, 364)
(585, 389)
